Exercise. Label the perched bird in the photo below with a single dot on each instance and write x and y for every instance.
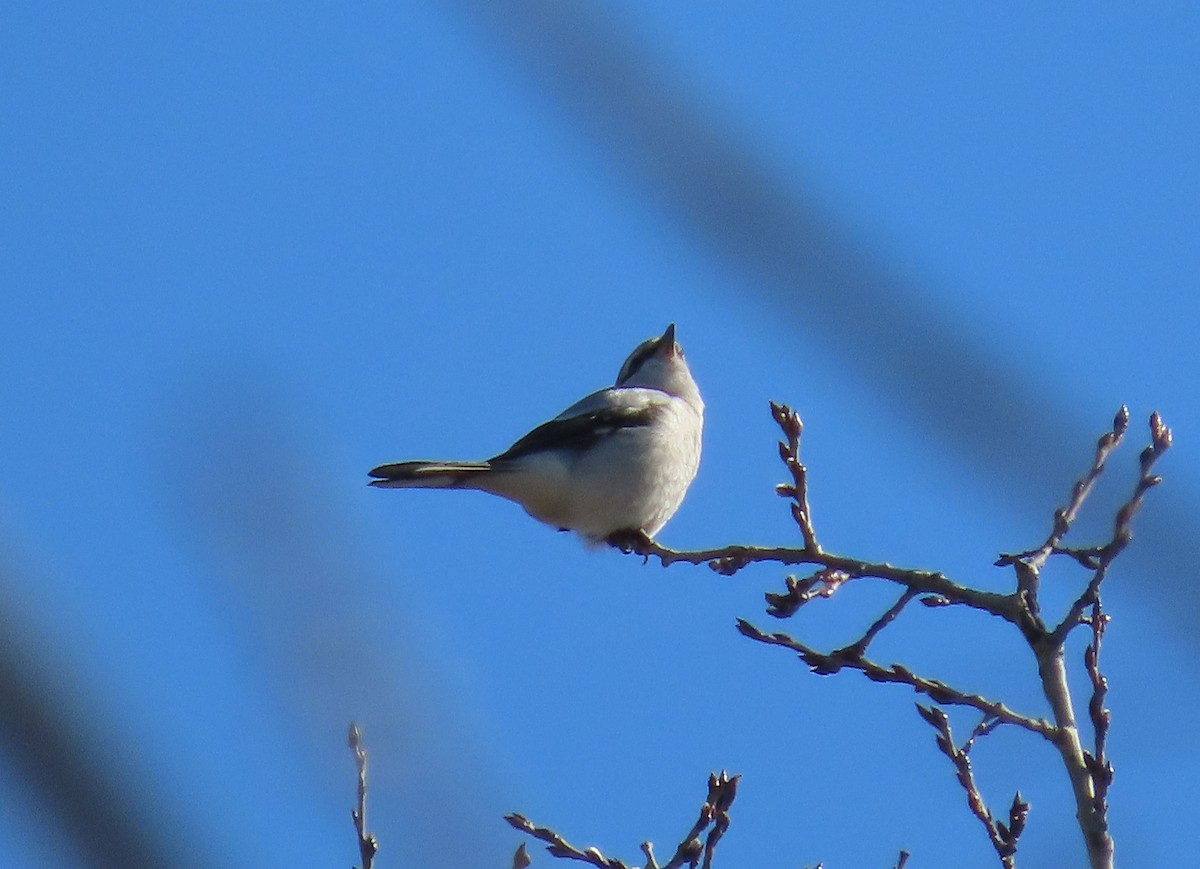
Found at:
(613, 467)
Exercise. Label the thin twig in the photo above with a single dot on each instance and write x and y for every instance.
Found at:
(1002, 836)
(985, 726)
(367, 843)
(939, 692)
(1160, 442)
(791, 424)
(1098, 763)
(859, 647)
(722, 788)
(727, 560)
(1065, 516)
(1091, 773)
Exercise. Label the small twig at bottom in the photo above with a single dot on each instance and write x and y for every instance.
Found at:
(367, 843)
(722, 788)
(521, 858)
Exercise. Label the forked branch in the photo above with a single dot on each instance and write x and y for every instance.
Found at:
(1002, 836)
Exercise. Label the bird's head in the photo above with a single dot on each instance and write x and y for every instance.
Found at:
(659, 363)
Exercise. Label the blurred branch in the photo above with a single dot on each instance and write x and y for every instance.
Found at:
(677, 149)
(65, 744)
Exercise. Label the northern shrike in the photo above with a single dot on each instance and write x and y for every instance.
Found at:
(613, 466)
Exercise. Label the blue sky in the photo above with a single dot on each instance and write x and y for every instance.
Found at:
(247, 253)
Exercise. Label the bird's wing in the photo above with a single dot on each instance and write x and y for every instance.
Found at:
(620, 398)
(589, 420)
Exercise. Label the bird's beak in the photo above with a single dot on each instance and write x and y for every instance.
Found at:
(668, 338)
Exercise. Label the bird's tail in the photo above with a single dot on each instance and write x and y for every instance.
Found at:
(429, 475)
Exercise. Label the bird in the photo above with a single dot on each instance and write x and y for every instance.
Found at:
(613, 467)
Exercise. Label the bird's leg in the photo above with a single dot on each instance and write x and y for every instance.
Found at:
(631, 540)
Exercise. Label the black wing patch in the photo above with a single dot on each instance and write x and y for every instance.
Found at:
(639, 357)
(578, 433)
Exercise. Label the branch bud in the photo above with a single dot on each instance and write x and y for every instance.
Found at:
(1159, 432)
(1121, 421)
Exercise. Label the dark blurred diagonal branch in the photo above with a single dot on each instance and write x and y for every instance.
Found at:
(110, 815)
(672, 148)
(676, 150)
(292, 565)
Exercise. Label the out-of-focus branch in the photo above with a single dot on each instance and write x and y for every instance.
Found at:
(692, 851)
(61, 744)
(367, 844)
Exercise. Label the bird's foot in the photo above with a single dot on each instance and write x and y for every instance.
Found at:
(631, 540)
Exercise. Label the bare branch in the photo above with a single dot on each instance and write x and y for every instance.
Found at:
(1092, 824)
(939, 692)
(560, 847)
(1098, 764)
(728, 560)
(367, 843)
(823, 583)
(1090, 772)
(1003, 837)
(791, 424)
(985, 726)
(722, 789)
(1064, 516)
(1160, 442)
(859, 647)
